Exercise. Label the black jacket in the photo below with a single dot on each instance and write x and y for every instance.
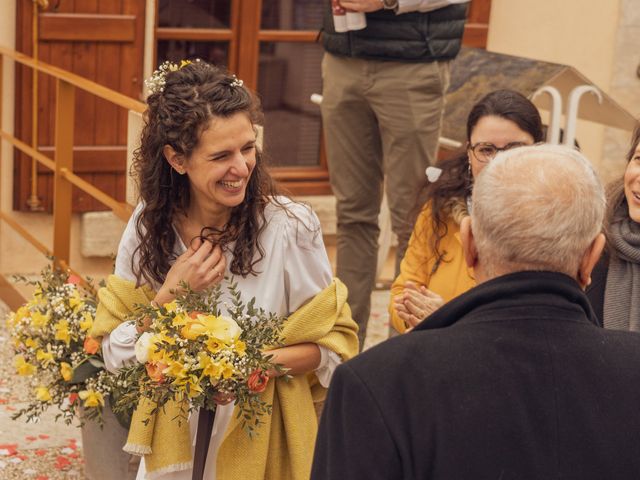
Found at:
(511, 380)
(408, 37)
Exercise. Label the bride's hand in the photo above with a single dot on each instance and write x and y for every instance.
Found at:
(201, 266)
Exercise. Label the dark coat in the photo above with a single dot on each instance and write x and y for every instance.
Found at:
(511, 380)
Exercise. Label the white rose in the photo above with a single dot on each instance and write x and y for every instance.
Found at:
(142, 347)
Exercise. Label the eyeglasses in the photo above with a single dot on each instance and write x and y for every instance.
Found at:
(485, 152)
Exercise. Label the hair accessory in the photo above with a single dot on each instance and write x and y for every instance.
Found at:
(236, 82)
(156, 82)
(433, 174)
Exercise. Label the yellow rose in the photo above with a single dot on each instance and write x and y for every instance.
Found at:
(23, 367)
(91, 398)
(66, 371)
(43, 394)
(87, 321)
(62, 331)
(45, 358)
(40, 320)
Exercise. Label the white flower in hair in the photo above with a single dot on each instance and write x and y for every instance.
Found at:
(236, 82)
(156, 82)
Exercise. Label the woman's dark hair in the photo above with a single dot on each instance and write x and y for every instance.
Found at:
(455, 182)
(177, 116)
(615, 191)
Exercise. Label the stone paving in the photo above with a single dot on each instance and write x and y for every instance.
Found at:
(50, 450)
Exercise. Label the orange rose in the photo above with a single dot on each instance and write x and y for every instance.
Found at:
(258, 381)
(91, 345)
(73, 396)
(155, 371)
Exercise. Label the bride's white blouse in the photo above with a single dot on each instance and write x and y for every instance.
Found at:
(295, 267)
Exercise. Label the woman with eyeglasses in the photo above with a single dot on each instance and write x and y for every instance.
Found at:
(433, 270)
(614, 292)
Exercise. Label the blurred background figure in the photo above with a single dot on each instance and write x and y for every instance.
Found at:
(383, 99)
(433, 270)
(615, 290)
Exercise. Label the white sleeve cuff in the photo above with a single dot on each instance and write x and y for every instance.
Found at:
(118, 348)
(329, 361)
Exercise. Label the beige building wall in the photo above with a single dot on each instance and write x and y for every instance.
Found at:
(579, 33)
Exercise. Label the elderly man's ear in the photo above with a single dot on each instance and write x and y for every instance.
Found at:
(468, 243)
(589, 260)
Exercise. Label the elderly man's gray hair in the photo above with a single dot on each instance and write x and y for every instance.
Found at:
(536, 208)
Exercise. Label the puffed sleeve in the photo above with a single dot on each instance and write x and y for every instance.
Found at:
(307, 272)
(416, 265)
(118, 346)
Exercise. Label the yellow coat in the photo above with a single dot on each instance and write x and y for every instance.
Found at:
(451, 278)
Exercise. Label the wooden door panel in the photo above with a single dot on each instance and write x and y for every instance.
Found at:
(101, 40)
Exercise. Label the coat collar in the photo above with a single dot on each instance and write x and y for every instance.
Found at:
(505, 288)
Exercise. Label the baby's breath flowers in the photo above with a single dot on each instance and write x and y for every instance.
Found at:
(53, 349)
(156, 82)
(194, 352)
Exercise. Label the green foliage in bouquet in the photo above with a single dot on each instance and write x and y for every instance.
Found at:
(53, 349)
(193, 352)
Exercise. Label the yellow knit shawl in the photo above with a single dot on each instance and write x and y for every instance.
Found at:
(283, 446)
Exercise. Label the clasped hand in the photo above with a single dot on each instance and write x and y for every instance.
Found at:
(415, 303)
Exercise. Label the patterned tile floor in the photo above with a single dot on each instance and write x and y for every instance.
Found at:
(50, 450)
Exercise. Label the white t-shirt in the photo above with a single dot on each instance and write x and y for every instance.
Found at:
(295, 267)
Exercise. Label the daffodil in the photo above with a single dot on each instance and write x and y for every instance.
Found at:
(62, 331)
(240, 347)
(23, 367)
(43, 394)
(39, 319)
(227, 369)
(87, 321)
(192, 387)
(75, 301)
(32, 343)
(66, 371)
(91, 398)
(221, 328)
(178, 371)
(45, 357)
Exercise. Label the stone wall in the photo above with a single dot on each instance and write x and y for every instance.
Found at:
(625, 85)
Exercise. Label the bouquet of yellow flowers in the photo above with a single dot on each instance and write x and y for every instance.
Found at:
(192, 352)
(53, 349)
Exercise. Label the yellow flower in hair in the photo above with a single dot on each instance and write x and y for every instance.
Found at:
(184, 63)
(91, 398)
(62, 331)
(43, 394)
(23, 367)
(66, 371)
(45, 358)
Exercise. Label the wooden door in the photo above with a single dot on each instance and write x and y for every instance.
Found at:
(101, 40)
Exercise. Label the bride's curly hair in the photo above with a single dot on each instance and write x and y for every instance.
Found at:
(177, 116)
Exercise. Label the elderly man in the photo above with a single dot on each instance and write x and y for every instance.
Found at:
(511, 380)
